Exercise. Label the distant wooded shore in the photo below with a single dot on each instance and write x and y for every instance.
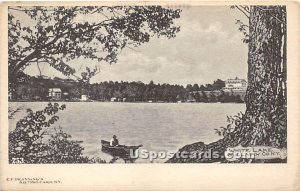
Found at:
(33, 89)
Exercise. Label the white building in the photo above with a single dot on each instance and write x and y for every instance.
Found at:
(84, 98)
(55, 93)
(9, 96)
(235, 84)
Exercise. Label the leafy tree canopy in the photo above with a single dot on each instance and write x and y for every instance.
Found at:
(57, 35)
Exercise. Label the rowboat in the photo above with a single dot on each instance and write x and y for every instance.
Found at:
(121, 151)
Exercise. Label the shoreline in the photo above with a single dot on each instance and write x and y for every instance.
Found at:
(63, 101)
(218, 146)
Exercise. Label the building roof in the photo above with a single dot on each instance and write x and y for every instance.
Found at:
(236, 80)
(54, 90)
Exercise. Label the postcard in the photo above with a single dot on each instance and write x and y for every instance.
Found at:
(150, 95)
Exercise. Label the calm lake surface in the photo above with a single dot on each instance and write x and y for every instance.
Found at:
(157, 126)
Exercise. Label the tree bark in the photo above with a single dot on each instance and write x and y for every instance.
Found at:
(265, 119)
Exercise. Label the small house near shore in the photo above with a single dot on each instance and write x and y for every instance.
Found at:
(55, 93)
(9, 95)
(84, 98)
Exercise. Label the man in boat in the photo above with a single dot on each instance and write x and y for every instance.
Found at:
(114, 142)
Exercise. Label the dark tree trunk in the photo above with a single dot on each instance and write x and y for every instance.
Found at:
(265, 119)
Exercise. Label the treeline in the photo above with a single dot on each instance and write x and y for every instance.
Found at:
(37, 89)
(137, 91)
(218, 96)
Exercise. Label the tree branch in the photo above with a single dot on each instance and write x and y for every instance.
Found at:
(38, 66)
(245, 8)
(241, 9)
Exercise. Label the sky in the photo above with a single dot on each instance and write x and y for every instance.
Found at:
(208, 47)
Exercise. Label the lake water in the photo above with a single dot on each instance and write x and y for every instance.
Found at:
(157, 126)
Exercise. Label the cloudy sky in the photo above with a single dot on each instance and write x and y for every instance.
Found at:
(208, 47)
